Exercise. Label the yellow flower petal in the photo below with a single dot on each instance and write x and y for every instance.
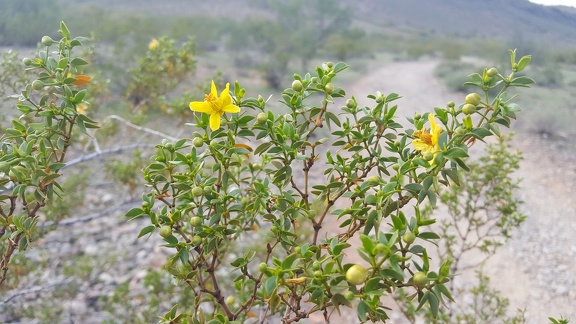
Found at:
(201, 106)
(225, 96)
(215, 121)
(231, 109)
(213, 90)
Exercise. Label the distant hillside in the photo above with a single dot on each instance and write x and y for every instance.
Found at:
(504, 19)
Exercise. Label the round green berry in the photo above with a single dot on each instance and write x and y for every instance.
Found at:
(198, 141)
(351, 103)
(492, 72)
(197, 191)
(329, 88)
(420, 279)
(409, 238)
(196, 221)
(473, 99)
(262, 267)
(468, 109)
(165, 231)
(262, 118)
(297, 85)
(37, 85)
(356, 274)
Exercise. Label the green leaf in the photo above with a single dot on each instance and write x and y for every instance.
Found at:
(523, 63)
(146, 230)
(522, 81)
(134, 212)
(415, 187)
(455, 152)
(64, 30)
(367, 244)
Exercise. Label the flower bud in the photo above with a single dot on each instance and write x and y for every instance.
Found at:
(297, 85)
(37, 85)
(47, 41)
(165, 231)
(492, 72)
(329, 88)
(428, 156)
(197, 191)
(27, 61)
(468, 109)
(198, 141)
(356, 274)
(262, 118)
(473, 99)
(351, 103)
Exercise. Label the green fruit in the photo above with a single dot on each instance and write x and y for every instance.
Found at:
(350, 103)
(409, 238)
(318, 274)
(196, 240)
(207, 190)
(197, 191)
(492, 72)
(473, 99)
(37, 85)
(468, 109)
(459, 130)
(451, 104)
(297, 249)
(198, 141)
(316, 265)
(329, 88)
(417, 116)
(349, 295)
(395, 166)
(373, 179)
(262, 267)
(381, 249)
(230, 300)
(196, 221)
(356, 274)
(428, 156)
(420, 279)
(47, 41)
(262, 118)
(165, 231)
(27, 61)
(297, 85)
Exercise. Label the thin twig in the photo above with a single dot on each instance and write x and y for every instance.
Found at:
(140, 128)
(96, 154)
(35, 289)
(88, 218)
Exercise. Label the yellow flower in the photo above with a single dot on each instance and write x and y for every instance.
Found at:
(153, 44)
(427, 142)
(81, 108)
(215, 106)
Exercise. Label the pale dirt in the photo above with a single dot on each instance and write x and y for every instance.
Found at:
(536, 270)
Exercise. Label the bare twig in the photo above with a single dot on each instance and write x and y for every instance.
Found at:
(88, 218)
(35, 289)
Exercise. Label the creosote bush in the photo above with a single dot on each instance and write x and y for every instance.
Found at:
(249, 174)
(33, 150)
(259, 207)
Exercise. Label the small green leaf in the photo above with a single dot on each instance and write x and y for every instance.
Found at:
(146, 230)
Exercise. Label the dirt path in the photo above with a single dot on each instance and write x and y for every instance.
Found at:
(535, 270)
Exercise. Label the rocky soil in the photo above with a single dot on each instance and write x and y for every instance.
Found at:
(535, 270)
